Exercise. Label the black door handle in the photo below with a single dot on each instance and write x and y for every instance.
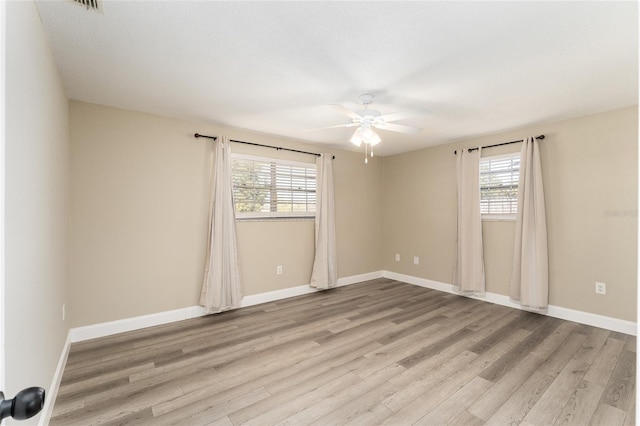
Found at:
(27, 403)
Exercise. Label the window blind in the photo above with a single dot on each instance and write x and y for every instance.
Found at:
(267, 187)
(499, 184)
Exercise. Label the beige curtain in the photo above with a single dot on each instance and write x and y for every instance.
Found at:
(325, 263)
(222, 288)
(468, 276)
(530, 272)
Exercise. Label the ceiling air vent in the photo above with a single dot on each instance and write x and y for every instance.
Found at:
(89, 4)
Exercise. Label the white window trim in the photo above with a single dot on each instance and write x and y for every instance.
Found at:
(498, 217)
(275, 160)
(490, 217)
(272, 216)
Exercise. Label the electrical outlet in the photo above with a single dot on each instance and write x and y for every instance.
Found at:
(601, 288)
(397, 258)
(279, 270)
(64, 311)
(416, 260)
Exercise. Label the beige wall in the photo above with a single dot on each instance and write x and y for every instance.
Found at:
(140, 194)
(139, 215)
(590, 175)
(36, 209)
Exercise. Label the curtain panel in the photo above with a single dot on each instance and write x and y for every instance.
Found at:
(468, 276)
(530, 273)
(222, 287)
(325, 263)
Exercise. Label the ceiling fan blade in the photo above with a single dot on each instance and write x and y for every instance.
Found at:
(397, 116)
(345, 111)
(332, 127)
(398, 128)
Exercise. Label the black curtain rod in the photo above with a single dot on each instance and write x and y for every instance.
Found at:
(499, 144)
(198, 135)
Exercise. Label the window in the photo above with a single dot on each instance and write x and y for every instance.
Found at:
(499, 186)
(272, 188)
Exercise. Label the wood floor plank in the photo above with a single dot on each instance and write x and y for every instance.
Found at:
(630, 418)
(412, 347)
(377, 352)
(592, 345)
(581, 405)
(209, 410)
(417, 406)
(506, 362)
(620, 390)
(117, 408)
(143, 416)
(260, 415)
(348, 356)
(278, 405)
(370, 417)
(218, 391)
(606, 415)
(556, 339)
(549, 407)
(630, 344)
(490, 401)
(465, 418)
(602, 367)
(518, 405)
(346, 403)
(560, 357)
(410, 390)
(354, 408)
(448, 409)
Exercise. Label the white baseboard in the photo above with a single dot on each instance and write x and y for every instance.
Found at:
(256, 299)
(354, 279)
(120, 326)
(52, 393)
(595, 320)
(79, 334)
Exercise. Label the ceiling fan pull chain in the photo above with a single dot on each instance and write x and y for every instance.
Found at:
(366, 160)
(372, 152)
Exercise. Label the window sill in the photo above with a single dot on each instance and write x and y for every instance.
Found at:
(275, 219)
(498, 218)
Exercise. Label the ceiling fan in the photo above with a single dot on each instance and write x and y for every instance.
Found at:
(367, 120)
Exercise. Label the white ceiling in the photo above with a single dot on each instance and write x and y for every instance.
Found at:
(467, 68)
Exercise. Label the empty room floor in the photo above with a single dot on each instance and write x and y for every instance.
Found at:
(378, 352)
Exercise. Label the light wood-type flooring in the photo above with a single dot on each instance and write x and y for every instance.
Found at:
(378, 352)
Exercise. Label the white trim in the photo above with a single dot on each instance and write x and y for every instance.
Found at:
(79, 334)
(3, 38)
(246, 216)
(354, 279)
(52, 393)
(256, 299)
(277, 160)
(595, 320)
(498, 217)
(285, 293)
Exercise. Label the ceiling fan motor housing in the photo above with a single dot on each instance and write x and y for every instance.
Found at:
(366, 99)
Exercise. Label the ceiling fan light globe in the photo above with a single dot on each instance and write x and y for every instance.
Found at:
(356, 138)
(370, 137)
